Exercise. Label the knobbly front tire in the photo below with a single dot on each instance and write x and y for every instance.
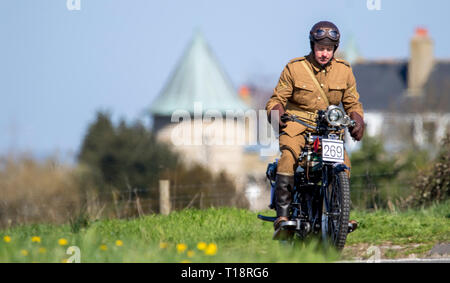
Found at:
(335, 220)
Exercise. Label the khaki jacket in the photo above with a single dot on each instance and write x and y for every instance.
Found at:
(296, 90)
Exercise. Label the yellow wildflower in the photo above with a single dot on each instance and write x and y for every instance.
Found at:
(211, 249)
(62, 242)
(24, 252)
(201, 246)
(181, 248)
(119, 243)
(7, 239)
(190, 253)
(64, 260)
(163, 245)
(36, 239)
(103, 248)
(185, 261)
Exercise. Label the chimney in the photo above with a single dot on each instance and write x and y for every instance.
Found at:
(421, 61)
(245, 94)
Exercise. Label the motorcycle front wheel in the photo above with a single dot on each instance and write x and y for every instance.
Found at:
(336, 211)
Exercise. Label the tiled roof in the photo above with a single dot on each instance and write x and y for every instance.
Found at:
(380, 84)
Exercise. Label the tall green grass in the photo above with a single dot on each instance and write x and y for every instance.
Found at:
(237, 233)
(430, 225)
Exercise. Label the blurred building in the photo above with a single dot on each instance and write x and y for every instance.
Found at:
(200, 91)
(406, 102)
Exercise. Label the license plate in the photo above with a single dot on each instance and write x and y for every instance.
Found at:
(332, 150)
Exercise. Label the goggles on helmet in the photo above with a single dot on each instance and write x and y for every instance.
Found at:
(321, 33)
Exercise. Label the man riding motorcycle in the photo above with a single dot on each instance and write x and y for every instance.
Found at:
(308, 84)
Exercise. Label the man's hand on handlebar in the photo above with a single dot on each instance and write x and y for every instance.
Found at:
(281, 113)
(286, 117)
(357, 131)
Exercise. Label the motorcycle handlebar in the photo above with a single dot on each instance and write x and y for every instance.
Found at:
(286, 117)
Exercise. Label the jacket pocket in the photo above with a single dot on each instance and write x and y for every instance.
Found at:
(336, 91)
(303, 93)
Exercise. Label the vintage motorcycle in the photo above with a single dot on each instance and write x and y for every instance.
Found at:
(321, 194)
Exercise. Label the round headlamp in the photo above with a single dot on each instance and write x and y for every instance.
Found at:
(335, 115)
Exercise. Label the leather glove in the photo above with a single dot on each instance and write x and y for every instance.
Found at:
(281, 111)
(357, 131)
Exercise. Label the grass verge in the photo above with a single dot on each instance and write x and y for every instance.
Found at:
(216, 235)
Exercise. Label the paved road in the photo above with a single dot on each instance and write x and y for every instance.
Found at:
(440, 253)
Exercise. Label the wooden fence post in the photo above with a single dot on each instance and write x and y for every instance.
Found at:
(164, 197)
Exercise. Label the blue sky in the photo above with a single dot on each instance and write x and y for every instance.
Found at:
(58, 67)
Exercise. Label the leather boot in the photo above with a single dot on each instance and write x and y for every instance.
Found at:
(283, 196)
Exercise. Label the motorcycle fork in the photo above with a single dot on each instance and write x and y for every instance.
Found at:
(326, 180)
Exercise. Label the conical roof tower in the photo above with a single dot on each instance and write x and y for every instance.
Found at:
(198, 77)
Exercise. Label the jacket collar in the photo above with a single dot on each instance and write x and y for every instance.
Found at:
(318, 67)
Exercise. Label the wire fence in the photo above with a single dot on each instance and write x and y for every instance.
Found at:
(368, 191)
(125, 203)
(382, 190)
(130, 202)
